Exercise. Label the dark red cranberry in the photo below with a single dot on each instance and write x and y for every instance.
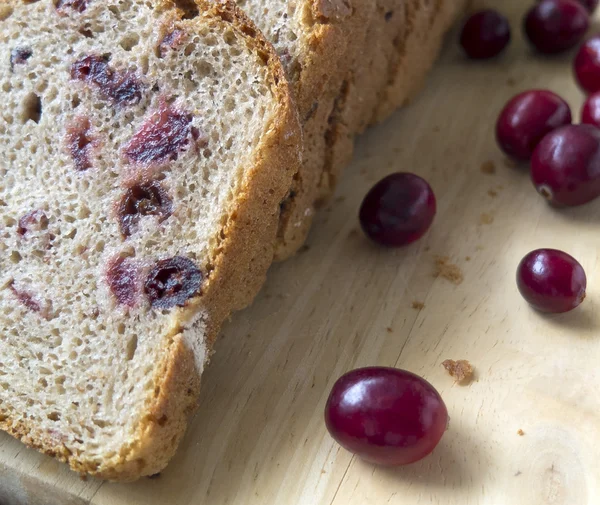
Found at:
(123, 88)
(122, 279)
(148, 199)
(19, 55)
(565, 167)
(551, 280)
(172, 282)
(553, 26)
(36, 220)
(398, 210)
(590, 5)
(171, 41)
(161, 137)
(587, 65)
(25, 298)
(590, 112)
(80, 143)
(485, 34)
(527, 118)
(385, 415)
(75, 5)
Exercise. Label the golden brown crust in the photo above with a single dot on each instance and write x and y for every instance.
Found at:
(239, 270)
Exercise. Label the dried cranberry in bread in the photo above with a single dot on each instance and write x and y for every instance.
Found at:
(145, 150)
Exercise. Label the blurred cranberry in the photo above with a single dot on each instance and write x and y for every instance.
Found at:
(565, 167)
(485, 34)
(590, 5)
(553, 26)
(525, 120)
(590, 112)
(587, 65)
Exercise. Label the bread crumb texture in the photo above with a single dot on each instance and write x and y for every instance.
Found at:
(417, 305)
(488, 167)
(520, 432)
(447, 270)
(128, 135)
(462, 371)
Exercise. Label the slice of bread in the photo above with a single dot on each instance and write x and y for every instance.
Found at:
(145, 148)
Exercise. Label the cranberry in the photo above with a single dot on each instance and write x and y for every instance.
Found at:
(565, 167)
(161, 137)
(123, 88)
(385, 415)
(551, 280)
(587, 65)
(35, 220)
(121, 277)
(80, 143)
(398, 210)
(590, 112)
(485, 34)
(19, 55)
(553, 26)
(76, 5)
(149, 199)
(590, 5)
(171, 41)
(25, 298)
(527, 118)
(172, 282)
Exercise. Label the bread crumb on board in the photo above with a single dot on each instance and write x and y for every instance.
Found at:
(418, 305)
(488, 167)
(520, 432)
(486, 218)
(462, 371)
(492, 192)
(447, 270)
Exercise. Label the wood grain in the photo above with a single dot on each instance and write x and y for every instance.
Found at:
(259, 437)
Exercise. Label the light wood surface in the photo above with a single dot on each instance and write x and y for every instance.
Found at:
(259, 436)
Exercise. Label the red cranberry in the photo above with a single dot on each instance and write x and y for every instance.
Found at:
(385, 415)
(121, 277)
(527, 118)
(80, 143)
(172, 282)
(551, 280)
(19, 55)
(565, 167)
(171, 41)
(590, 112)
(553, 26)
(35, 220)
(590, 5)
(485, 34)
(587, 65)
(76, 5)
(149, 199)
(398, 210)
(25, 298)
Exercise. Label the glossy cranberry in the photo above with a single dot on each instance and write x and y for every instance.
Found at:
(385, 415)
(553, 26)
(161, 137)
(80, 143)
(122, 278)
(551, 280)
(485, 34)
(527, 118)
(398, 210)
(173, 281)
(148, 199)
(170, 42)
(565, 167)
(75, 5)
(587, 65)
(19, 56)
(590, 112)
(25, 298)
(590, 5)
(35, 220)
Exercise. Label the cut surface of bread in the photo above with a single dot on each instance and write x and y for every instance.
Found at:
(144, 153)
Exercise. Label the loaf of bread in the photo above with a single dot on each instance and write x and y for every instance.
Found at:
(145, 148)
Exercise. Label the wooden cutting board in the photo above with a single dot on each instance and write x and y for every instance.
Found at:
(259, 436)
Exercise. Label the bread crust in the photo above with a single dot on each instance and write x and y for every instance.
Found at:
(239, 269)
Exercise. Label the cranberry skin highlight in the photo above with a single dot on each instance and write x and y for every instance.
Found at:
(590, 112)
(586, 65)
(386, 415)
(398, 210)
(590, 5)
(565, 167)
(554, 26)
(551, 281)
(485, 34)
(527, 118)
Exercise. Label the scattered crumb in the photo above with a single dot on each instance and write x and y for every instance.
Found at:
(436, 129)
(448, 270)
(427, 248)
(520, 432)
(304, 248)
(486, 218)
(353, 233)
(493, 193)
(518, 473)
(418, 305)
(461, 370)
(467, 258)
(510, 82)
(488, 167)
(83, 477)
(323, 472)
(389, 329)
(154, 476)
